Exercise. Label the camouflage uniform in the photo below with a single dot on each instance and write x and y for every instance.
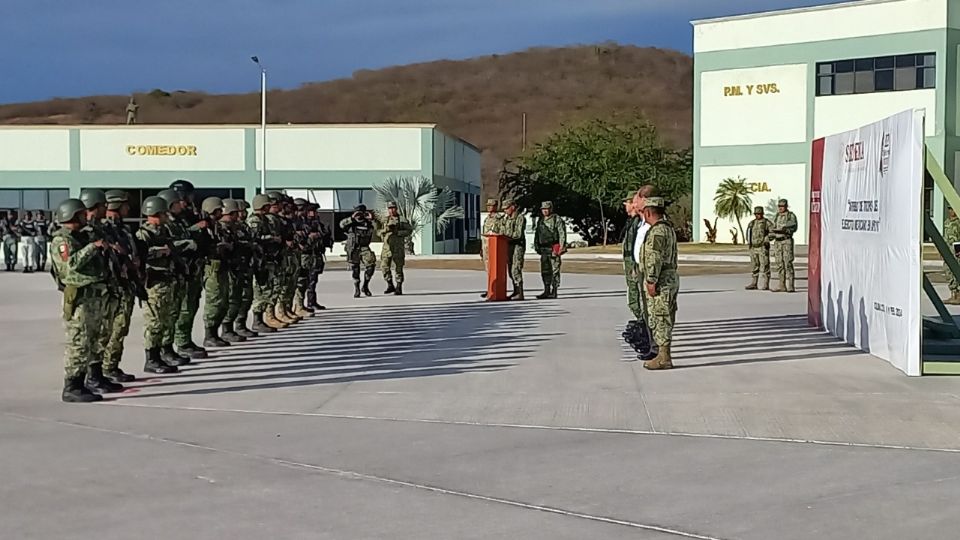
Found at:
(631, 269)
(161, 313)
(515, 228)
(658, 256)
(784, 225)
(264, 297)
(291, 267)
(8, 232)
(185, 225)
(394, 233)
(758, 232)
(491, 225)
(110, 302)
(951, 234)
(550, 231)
(119, 326)
(82, 270)
(241, 277)
(359, 235)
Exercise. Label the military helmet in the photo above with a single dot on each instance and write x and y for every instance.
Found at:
(757, 209)
(275, 196)
(546, 205)
(391, 204)
(360, 208)
(244, 205)
(68, 210)
(261, 201)
(230, 206)
(212, 204)
(182, 186)
(153, 206)
(300, 201)
(92, 197)
(116, 198)
(171, 196)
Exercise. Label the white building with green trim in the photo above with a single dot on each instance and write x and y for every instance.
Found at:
(767, 84)
(332, 165)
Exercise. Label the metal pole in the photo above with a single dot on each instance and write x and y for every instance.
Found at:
(263, 130)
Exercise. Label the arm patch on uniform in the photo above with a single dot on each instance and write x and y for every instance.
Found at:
(64, 252)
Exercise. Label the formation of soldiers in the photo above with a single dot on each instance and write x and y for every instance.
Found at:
(263, 259)
(25, 239)
(650, 270)
(763, 236)
(550, 240)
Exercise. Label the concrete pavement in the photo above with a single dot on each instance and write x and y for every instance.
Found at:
(434, 415)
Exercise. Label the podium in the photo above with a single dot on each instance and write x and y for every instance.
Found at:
(497, 261)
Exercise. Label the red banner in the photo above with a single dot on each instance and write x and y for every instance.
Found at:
(814, 315)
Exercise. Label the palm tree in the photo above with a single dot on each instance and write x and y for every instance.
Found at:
(733, 200)
(418, 199)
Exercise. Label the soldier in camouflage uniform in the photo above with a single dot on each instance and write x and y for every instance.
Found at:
(286, 266)
(513, 225)
(320, 240)
(185, 242)
(951, 234)
(781, 235)
(232, 262)
(80, 268)
(491, 225)
(8, 232)
(658, 256)
(161, 282)
(245, 260)
(359, 229)
(216, 275)
(269, 244)
(131, 281)
(550, 238)
(394, 234)
(305, 239)
(758, 232)
(96, 202)
(190, 227)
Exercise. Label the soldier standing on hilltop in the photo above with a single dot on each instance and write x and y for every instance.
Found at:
(132, 109)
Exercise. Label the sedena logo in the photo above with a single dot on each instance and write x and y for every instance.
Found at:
(854, 152)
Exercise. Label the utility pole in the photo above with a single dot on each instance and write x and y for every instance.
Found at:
(263, 124)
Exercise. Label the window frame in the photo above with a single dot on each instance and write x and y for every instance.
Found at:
(885, 70)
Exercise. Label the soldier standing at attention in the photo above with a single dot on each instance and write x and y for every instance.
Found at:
(306, 239)
(189, 227)
(28, 243)
(117, 209)
(491, 225)
(658, 256)
(8, 230)
(264, 318)
(294, 253)
(42, 227)
(161, 280)
(188, 257)
(758, 232)
(96, 202)
(550, 237)
(80, 269)
(951, 234)
(394, 234)
(631, 265)
(231, 263)
(246, 257)
(359, 229)
(215, 276)
(319, 240)
(282, 228)
(513, 225)
(784, 225)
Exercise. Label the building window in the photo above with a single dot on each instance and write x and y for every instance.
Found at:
(876, 74)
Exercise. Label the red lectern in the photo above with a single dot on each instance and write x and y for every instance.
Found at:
(497, 258)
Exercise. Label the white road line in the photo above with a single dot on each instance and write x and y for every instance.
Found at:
(547, 428)
(371, 478)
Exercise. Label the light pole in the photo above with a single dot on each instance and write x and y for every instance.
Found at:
(263, 124)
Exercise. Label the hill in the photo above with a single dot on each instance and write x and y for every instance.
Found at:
(480, 99)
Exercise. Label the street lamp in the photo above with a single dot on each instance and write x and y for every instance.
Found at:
(263, 124)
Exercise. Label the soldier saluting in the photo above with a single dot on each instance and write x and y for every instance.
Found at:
(359, 229)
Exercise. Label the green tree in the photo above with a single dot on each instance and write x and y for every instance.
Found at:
(418, 200)
(733, 200)
(586, 169)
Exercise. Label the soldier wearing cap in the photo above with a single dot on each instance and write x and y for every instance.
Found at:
(658, 257)
(162, 280)
(80, 269)
(550, 240)
(513, 225)
(359, 228)
(781, 236)
(758, 241)
(394, 232)
(636, 333)
(492, 224)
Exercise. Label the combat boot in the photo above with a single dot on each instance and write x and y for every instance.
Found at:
(282, 315)
(228, 335)
(191, 350)
(291, 314)
(545, 294)
(780, 287)
(399, 291)
(259, 325)
(553, 292)
(753, 285)
(211, 339)
(766, 284)
(171, 358)
(96, 383)
(366, 288)
(75, 392)
(356, 290)
(661, 361)
(790, 288)
(117, 375)
(390, 288)
(517, 295)
(317, 307)
(241, 330)
(301, 312)
(270, 319)
(154, 364)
